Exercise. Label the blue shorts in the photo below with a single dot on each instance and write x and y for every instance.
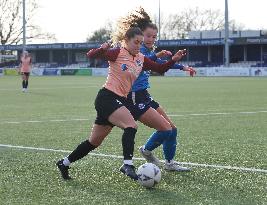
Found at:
(142, 101)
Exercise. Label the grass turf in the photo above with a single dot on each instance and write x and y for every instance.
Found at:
(237, 139)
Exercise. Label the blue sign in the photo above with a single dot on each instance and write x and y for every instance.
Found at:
(50, 71)
(52, 46)
(161, 43)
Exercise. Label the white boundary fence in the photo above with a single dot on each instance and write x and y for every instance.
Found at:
(201, 72)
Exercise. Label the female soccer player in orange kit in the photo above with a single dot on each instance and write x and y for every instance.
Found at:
(112, 106)
(25, 69)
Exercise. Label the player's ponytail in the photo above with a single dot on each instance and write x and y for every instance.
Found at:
(138, 18)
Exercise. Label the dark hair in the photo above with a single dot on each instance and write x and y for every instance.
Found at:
(136, 19)
(132, 32)
(151, 25)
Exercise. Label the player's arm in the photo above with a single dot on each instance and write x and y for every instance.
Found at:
(104, 52)
(179, 66)
(164, 67)
(165, 53)
(189, 69)
(175, 66)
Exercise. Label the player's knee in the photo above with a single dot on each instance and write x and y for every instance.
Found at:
(132, 125)
(173, 126)
(165, 127)
(174, 136)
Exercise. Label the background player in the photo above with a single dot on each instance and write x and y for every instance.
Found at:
(25, 69)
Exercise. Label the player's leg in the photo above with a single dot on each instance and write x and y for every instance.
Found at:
(122, 118)
(23, 76)
(142, 111)
(98, 134)
(113, 108)
(153, 119)
(27, 75)
(169, 146)
(162, 112)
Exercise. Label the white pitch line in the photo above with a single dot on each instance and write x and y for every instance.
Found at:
(245, 169)
(42, 121)
(171, 115)
(217, 113)
(54, 88)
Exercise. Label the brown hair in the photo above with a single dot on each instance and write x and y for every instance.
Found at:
(138, 18)
(132, 32)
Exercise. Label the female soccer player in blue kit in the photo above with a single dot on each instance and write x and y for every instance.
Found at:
(166, 133)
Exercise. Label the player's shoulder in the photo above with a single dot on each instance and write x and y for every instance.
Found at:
(144, 49)
(115, 50)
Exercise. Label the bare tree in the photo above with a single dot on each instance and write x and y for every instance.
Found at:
(11, 22)
(178, 25)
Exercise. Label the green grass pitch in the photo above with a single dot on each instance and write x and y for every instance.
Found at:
(235, 139)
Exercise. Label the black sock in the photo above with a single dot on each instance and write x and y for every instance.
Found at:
(26, 84)
(23, 84)
(128, 143)
(81, 151)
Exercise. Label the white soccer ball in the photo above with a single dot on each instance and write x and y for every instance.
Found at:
(148, 175)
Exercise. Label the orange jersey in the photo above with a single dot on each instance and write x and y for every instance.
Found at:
(124, 68)
(25, 64)
(123, 72)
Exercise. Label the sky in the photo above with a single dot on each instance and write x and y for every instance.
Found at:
(72, 21)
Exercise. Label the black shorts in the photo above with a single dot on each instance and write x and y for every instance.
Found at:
(25, 73)
(142, 101)
(107, 102)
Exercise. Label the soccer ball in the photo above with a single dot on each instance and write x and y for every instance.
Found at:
(148, 175)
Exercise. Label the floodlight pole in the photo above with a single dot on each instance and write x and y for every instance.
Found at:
(226, 39)
(24, 25)
(159, 22)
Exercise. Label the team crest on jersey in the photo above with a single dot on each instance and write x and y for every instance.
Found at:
(139, 63)
(124, 67)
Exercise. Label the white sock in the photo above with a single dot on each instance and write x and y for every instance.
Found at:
(66, 161)
(128, 162)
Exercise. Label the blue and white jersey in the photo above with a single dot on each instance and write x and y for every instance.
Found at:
(142, 83)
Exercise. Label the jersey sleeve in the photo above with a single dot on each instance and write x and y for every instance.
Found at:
(159, 68)
(175, 66)
(110, 54)
(152, 56)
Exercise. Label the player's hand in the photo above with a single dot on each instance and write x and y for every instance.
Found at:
(179, 55)
(105, 46)
(163, 53)
(189, 69)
